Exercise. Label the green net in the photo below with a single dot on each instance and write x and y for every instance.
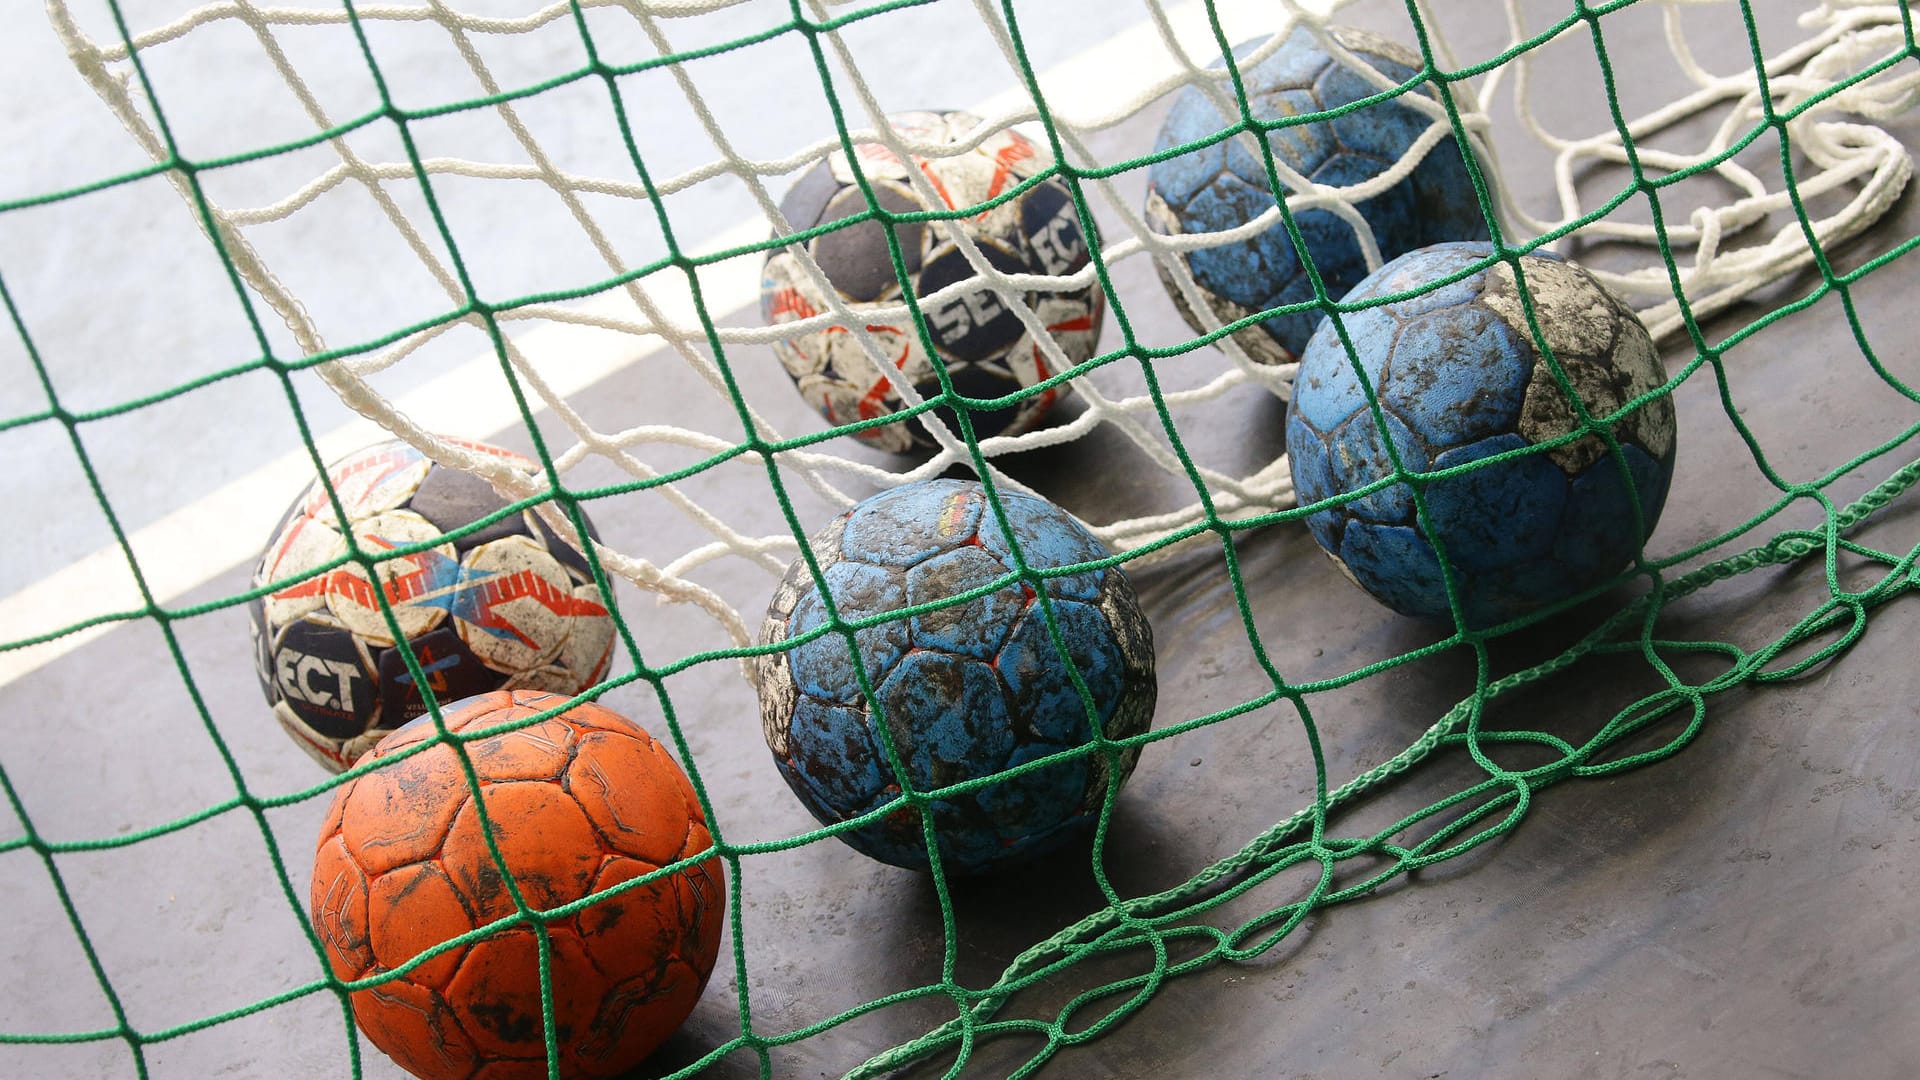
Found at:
(1862, 56)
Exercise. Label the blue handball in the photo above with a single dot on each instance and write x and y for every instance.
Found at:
(1225, 185)
(966, 691)
(1459, 378)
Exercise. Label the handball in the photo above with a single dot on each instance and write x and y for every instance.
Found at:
(985, 349)
(578, 803)
(966, 691)
(1225, 185)
(509, 606)
(1459, 378)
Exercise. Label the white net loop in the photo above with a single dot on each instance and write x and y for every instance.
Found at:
(1843, 38)
(1846, 152)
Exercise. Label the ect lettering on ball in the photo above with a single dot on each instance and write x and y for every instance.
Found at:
(318, 681)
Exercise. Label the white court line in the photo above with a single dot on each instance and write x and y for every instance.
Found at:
(179, 552)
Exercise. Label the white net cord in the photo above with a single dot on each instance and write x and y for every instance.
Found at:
(1847, 151)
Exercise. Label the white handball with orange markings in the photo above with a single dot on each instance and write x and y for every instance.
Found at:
(509, 606)
(988, 350)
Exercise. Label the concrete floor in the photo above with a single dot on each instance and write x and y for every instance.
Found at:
(1743, 909)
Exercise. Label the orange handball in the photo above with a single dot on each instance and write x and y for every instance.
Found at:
(579, 803)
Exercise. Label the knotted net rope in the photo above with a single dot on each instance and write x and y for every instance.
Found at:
(1827, 101)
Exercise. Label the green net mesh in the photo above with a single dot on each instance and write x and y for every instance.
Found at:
(1203, 920)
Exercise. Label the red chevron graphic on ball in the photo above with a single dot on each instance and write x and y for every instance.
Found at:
(477, 600)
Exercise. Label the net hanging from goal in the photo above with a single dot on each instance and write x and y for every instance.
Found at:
(1826, 100)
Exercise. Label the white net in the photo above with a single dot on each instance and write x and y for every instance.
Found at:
(558, 345)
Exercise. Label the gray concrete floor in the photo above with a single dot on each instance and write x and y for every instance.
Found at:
(1743, 909)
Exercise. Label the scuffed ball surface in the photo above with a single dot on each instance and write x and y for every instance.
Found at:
(580, 802)
(986, 350)
(1225, 185)
(967, 690)
(1460, 378)
(510, 606)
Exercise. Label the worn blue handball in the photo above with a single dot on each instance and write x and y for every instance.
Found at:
(1459, 378)
(1225, 185)
(966, 691)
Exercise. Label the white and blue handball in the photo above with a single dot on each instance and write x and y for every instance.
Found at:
(1224, 185)
(1460, 378)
